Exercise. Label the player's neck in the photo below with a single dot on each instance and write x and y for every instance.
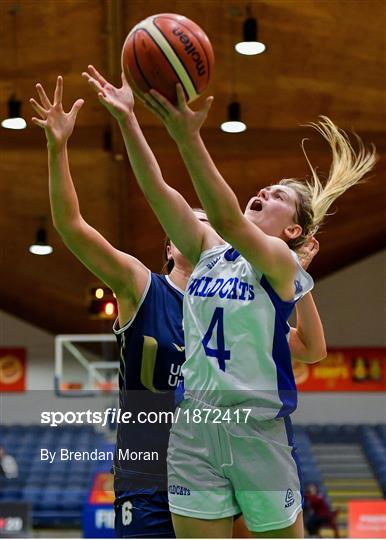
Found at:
(180, 276)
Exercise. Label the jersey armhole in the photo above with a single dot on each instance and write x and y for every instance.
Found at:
(116, 328)
(207, 252)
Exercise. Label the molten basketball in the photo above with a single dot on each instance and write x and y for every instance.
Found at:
(165, 49)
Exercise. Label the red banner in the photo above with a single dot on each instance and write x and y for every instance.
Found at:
(344, 370)
(12, 370)
(102, 490)
(367, 519)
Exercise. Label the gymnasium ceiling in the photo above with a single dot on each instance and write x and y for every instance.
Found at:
(323, 57)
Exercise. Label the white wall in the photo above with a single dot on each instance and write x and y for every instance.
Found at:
(40, 349)
(352, 306)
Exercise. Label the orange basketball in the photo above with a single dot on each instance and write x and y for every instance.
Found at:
(165, 49)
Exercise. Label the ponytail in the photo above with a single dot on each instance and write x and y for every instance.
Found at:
(348, 168)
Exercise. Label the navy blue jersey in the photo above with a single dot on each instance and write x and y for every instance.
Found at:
(151, 354)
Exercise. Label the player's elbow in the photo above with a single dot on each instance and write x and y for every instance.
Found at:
(316, 354)
(66, 227)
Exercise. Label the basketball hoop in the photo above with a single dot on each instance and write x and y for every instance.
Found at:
(106, 387)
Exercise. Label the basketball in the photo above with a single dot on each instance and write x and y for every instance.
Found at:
(165, 49)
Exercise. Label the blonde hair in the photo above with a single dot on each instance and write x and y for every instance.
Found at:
(348, 167)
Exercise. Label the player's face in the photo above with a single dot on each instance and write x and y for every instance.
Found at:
(273, 209)
(176, 255)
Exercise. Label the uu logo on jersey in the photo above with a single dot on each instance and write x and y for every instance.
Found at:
(289, 498)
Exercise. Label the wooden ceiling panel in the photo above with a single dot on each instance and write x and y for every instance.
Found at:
(322, 58)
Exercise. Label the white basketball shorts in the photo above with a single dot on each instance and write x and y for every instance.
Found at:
(217, 469)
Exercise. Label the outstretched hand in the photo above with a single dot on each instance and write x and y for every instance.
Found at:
(180, 120)
(118, 101)
(308, 252)
(57, 124)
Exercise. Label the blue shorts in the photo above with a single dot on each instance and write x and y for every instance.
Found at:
(143, 515)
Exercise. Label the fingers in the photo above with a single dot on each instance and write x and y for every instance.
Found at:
(58, 95)
(308, 251)
(94, 83)
(39, 122)
(161, 101)
(96, 75)
(315, 246)
(103, 99)
(312, 245)
(38, 108)
(155, 108)
(138, 95)
(76, 107)
(181, 98)
(43, 96)
(208, 103)
(155, 105)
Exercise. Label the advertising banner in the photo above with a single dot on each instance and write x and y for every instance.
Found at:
(15, 519)
(344, 370)
(98, 512)
(367, 519)
(12, 369)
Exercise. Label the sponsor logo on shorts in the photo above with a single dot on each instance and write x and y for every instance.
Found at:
(289, 498)
(179, 490)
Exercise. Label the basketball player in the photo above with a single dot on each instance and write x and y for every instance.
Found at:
(226, 370)
(247, 272)
(150, 319)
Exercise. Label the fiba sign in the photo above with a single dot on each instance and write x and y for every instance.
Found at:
(98, 521)
(104, 518)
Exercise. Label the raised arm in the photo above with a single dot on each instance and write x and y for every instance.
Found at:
(124, 274)
(174, 213)
(269, 254)
(307, 341)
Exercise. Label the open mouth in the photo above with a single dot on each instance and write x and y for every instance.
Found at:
(256, 206)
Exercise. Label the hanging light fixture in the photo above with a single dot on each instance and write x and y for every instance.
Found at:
(233, 124)
(250, 44)
(40, 246)
(14, 119)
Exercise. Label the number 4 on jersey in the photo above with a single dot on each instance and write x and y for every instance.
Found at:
(220, 353)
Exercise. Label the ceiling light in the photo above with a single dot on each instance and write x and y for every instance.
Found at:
(14, 120)
(250, 44)
(40, 247)
(233, 124)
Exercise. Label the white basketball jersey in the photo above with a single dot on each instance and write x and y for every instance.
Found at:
(236, 335)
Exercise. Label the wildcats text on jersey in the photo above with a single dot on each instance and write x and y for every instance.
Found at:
(232, 288)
